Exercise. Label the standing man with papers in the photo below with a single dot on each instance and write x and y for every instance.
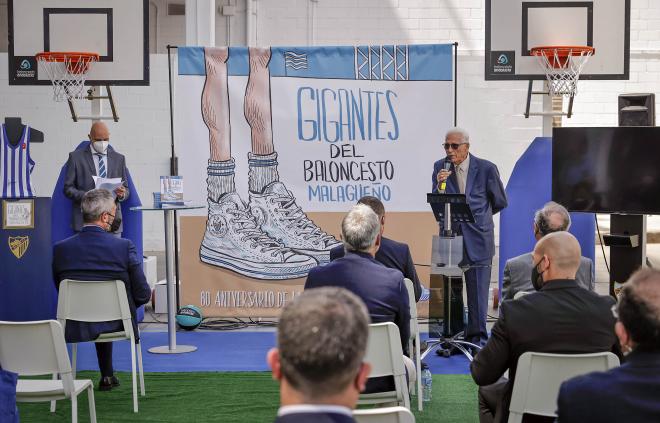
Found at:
(88, 168)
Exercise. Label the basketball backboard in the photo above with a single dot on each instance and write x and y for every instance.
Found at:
(513, 27)
(115, 29)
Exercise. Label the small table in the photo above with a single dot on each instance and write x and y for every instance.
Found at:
(170, 252)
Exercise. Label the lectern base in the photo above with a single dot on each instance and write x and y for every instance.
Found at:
(179, 349)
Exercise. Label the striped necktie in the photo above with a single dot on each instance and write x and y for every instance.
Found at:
(102, 171)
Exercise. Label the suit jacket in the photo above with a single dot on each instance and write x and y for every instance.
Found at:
(629, 393)
(381, 288)
(518, 275)
(96, 255)
(486, 196)
(560, 318)
(78, 180)
(392, 254)
(314, 417)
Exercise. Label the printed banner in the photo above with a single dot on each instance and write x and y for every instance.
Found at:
(280, 142)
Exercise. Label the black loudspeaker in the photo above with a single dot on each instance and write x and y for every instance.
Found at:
(637, 109)
(628, 231)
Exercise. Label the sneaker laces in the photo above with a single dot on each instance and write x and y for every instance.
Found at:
(249, 231)
(296, 217)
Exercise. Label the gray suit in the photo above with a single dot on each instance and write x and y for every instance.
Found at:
(518, 275)
(79, 171)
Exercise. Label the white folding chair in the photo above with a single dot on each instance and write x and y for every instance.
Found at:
(414, 336)
(385, 355)
(100, 301)
(38, 348)
(384, 415)
(539, 376)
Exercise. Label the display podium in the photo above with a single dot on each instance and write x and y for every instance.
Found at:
(446, 261)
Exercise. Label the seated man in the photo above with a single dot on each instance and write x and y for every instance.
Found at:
(393, 254)
(382, 289)
(560, 318)
(321, 342)
(553, 217)
(94, 254)
(631, 392)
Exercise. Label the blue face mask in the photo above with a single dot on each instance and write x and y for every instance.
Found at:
(537, 278)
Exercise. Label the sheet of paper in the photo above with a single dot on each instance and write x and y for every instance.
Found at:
(111, 184)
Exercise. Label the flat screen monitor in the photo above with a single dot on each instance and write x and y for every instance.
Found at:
(607, 170)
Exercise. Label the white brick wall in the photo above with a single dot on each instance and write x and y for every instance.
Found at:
(491, 111)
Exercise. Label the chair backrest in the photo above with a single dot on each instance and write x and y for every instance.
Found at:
(92, 301)
(413, 306)
(384, 351)
(539, 375)
(35, 348)
(384, 415)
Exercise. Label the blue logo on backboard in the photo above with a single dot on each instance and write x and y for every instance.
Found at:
(502, 62)
(25, 65)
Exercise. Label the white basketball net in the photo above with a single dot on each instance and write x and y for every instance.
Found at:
(68, 77)
(563, 79)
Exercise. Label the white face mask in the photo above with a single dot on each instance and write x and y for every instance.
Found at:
(100, 146)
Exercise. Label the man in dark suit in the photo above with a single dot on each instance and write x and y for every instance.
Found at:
(480, 181)
(553, 217)
(321, 342)
(96, 255)
(560, 318)
(631, 392)
(98, 160)
(392, 254)
(382, 289)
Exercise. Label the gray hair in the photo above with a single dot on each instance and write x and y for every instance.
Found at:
(460, 131)
(360, 228)
(543, 218)
(96, 202)
(322, 339)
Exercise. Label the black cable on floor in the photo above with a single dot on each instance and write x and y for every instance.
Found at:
(602, 246)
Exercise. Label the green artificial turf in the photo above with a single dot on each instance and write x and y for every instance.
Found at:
(228, 397)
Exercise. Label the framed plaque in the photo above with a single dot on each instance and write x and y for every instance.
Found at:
(17, 214)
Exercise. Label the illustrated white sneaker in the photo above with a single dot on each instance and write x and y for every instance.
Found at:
(233, 241)
(277, 214)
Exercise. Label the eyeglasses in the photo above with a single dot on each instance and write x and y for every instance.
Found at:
(110, 214)
(99, 139)
(453, 146)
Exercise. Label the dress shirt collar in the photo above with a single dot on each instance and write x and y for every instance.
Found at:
(314, 408)
(465, 164)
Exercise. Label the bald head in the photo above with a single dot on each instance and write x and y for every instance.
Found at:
(99, 131)
(558, 256)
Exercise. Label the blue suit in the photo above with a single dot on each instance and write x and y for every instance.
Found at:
(381, 288)
(486, 196)
(629, 393)
(96, 255)
(392, 254)
(314, 417)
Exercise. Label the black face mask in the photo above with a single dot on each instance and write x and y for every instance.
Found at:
(114, 226)
(537, 279)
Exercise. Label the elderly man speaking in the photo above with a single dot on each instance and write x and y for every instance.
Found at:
(480, 181)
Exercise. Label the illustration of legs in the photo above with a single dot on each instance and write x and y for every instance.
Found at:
(232, 239)
(271, 203)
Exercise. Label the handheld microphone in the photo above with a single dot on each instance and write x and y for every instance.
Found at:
(443, 185)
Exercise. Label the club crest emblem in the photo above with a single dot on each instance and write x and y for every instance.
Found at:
(19, 245)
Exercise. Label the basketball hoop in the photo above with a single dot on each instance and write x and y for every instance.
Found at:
(67, 71)
(562, 66)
